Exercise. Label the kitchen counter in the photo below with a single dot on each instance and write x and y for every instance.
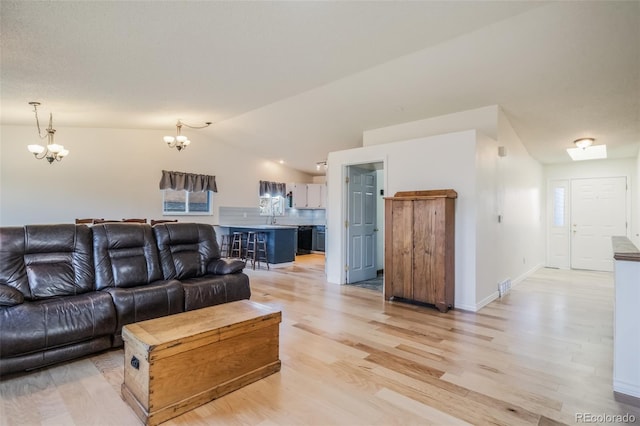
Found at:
(261, 227)
(281, 240)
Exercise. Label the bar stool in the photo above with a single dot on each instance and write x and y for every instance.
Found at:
(250, 254)
(256, 249)
(236, 245)
(261, 250)
(225, 245)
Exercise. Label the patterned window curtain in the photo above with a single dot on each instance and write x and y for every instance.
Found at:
(191, 182)
(272, 188)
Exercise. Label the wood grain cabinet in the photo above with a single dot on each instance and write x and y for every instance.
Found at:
(419, 247)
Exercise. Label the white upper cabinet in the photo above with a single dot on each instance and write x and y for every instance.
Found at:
(309, 195)
(314, 195)
(299, 194)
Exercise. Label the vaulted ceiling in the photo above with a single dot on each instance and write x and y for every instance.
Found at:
(296, 80)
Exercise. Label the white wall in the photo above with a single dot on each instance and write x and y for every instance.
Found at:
(482, 119)
(512, 187)
(489, 269)
(380, 220)
(635, 220)
(437, 162)
(628, 167)
(114, 173)
(521, 202)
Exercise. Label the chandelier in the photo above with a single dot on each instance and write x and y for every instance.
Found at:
(180, 142)
(52, 151)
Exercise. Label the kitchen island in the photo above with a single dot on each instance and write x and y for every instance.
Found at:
(281, 240)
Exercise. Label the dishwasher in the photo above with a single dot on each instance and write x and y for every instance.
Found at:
(305, 238)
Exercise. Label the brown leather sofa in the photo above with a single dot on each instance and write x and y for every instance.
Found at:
(67, 290)
(190, 253)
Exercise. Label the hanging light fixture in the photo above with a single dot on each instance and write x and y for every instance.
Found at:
(52, 151)
(585, 150)
(584, 143)
(180, 142)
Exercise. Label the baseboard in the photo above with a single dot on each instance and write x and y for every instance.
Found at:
(463, 307)
(629, 390)
(524, 276)
(495, 295)
(469, 308)
(484, 302)
(626, 399)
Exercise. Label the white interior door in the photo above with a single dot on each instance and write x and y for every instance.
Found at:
(361, 235)
(598, 212)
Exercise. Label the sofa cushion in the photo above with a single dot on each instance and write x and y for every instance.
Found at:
(10, 296)
(145, 302)
(186, 249)
(43, 261)
(125, 255)
(210, 290)
(50, 323)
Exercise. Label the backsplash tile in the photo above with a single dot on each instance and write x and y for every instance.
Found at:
(251, 216)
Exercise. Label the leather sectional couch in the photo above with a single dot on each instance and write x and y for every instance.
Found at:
(67, 290)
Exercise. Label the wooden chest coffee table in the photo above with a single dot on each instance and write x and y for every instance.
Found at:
(176, 363)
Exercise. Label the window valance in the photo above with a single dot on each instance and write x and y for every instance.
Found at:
(272, 188)
(180, 181)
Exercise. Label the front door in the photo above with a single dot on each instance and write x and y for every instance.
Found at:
(598, 212)
(361, 234)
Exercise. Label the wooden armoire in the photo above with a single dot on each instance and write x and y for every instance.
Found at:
(419, 247)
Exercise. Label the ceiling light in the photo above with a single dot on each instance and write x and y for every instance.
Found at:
(595, 152)
(584, 143)
(321, 165)
(52, 151)
(180, 142)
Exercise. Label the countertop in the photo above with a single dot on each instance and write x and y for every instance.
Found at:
(261, 226)
(624, 249)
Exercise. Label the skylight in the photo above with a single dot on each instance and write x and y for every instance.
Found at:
(594, 152)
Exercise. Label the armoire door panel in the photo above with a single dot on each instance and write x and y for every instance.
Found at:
(426, 244)
(402, 241)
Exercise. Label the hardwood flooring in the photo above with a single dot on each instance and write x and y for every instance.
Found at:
(540, 355)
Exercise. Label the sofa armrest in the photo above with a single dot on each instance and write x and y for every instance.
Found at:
(10, 296)
(225, 266)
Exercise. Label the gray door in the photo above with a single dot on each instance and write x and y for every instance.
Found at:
(361, 225)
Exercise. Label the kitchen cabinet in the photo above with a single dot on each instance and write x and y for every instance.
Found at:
(318, 238)
(309, 195)
(419, 247)
(316, 195)
(299, 194)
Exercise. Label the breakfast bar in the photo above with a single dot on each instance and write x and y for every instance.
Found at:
(281, 240)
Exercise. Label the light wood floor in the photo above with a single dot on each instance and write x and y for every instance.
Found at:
(538, 356)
